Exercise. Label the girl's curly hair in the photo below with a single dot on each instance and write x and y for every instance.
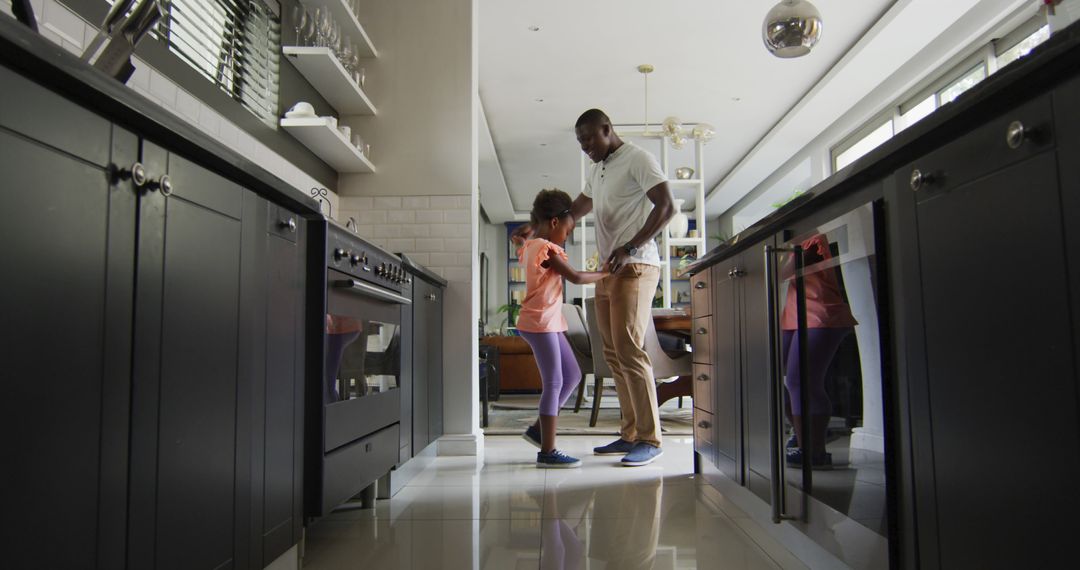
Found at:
(553, 203)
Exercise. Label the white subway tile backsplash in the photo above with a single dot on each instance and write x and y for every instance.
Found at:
(430, 245)
(421, 258)
(51, 35)
(210, 121)
(71, 48)
(401, 216)
(39, 8)
(447, 259)
(163, 88)
(356, 203)
(416, 230)
(188, 105)
(64, 22)
(391, 231)
(371, 217)
(387, 203)
(456, 216)
(401, 245)
(457, 245)
(429, 217)
(228, 134)
(444, 202)
(415, 202)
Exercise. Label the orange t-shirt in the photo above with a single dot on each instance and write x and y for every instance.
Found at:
(541, 311)
(825, 306)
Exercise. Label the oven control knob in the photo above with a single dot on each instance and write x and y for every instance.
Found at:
(339, 254)
(354, 259)
(382, 269)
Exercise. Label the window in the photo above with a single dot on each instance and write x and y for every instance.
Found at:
(1024, 47)
(863, 145)
(916, 113)
(232, 43)
(967, 81)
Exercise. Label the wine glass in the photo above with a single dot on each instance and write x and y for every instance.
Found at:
(322, 14)
(301, 18)
(347, 54)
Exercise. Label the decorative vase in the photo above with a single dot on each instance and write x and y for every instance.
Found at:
(679, 224)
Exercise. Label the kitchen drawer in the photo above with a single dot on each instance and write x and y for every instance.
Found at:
(703, 340)
(704, 379)
(701, 293)
(954, 164)
(283, 223)
(348, 470)
(704, 438)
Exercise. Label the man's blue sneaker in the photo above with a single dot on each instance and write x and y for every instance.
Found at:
(532, 435)
(642, 454)
(617, 447)
(556, 460)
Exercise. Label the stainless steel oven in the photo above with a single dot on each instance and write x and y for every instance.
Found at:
(354, 391)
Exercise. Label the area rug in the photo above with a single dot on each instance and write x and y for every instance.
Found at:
(513, 413)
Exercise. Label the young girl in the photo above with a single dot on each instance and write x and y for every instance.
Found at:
(541, 321)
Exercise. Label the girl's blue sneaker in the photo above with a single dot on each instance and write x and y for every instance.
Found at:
(532, 435)
(556, 460)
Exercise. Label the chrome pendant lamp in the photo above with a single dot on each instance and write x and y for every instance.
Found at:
(792, 28)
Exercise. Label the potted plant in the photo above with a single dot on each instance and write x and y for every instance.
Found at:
(511, 310)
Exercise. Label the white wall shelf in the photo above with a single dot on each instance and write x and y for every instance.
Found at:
(328, 144)
(349, 24)
(326, 74)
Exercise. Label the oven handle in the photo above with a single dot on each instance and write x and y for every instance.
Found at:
(362, 288)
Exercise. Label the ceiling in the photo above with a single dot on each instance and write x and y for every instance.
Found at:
(710, 65)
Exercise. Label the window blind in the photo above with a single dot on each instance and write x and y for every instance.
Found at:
(235, 44)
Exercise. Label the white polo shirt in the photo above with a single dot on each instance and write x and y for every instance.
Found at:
(618, 186)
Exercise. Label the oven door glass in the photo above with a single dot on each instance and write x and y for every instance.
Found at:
(363, 357)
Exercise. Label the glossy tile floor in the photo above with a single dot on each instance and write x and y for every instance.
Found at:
(504, 513)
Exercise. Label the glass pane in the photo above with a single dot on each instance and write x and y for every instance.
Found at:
(835, 411)
(362, 358)
(865, 145)
(1024, 47)
(917, 113)
(971, 79)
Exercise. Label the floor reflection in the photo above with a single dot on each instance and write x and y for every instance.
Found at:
(505, 514)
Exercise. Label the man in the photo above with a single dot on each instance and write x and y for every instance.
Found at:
(629, 193)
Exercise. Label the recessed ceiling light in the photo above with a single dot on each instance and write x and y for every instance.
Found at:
(736, 99)
(539, 99)
(534, 28)
(544, 176)
(543, 144)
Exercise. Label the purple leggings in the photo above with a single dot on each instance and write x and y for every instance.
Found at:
(821, 347)
(559, 369)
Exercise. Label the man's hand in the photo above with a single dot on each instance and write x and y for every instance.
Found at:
(522, 233)
(618, 259)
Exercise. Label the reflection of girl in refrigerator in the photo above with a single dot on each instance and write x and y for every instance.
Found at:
(828, 321)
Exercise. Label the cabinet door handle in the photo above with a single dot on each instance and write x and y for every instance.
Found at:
(704, 424)
(919, 179)
(1016, 134)
(703, 378)
(700, 285)
(737, 272)
(702, 330)
(289, 224)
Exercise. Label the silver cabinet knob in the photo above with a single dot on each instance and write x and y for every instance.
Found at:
(700, 285)
(138, 175)
(920, 179)
(164, 183)
(703, 378)
(430, 296)
(702, 331)
(290, 224)
(704, 424)
(1016, 134)
(737, 272)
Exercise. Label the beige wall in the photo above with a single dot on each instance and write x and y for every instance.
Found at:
(422, 199)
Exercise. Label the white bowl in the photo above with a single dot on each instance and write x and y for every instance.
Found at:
(301, 109)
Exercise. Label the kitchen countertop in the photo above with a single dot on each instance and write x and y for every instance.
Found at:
(1048, 64)
(44, 62)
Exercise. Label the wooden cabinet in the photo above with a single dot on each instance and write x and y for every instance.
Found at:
(999, 369)
(157, 369)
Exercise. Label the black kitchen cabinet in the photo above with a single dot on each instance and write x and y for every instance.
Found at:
(156, 375)
(1067, 131)
(427, 363)
(999, 373)
(69, 247)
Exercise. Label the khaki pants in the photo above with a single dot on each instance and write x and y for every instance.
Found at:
(623, 310)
